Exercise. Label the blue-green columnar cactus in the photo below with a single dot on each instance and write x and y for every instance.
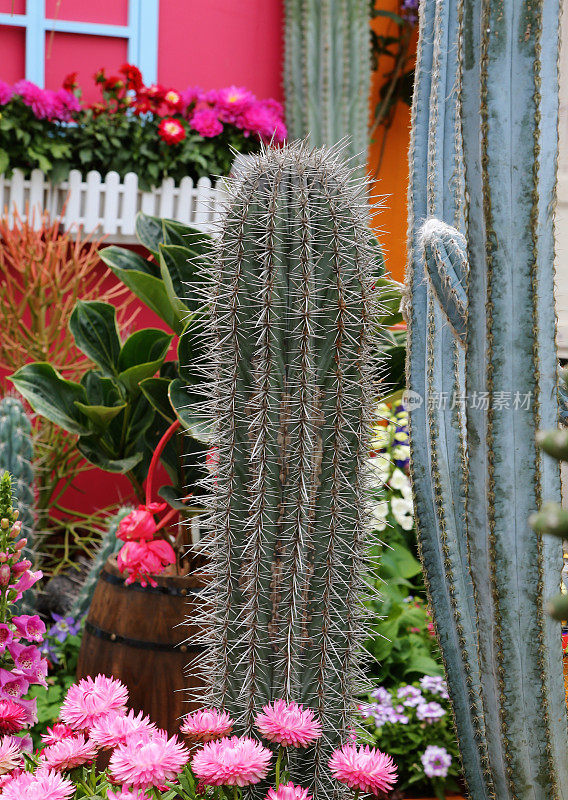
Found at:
(327, 72)
(482, 367)
(293, 330)
(16, 457)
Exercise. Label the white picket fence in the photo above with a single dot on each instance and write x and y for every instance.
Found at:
(108, 206)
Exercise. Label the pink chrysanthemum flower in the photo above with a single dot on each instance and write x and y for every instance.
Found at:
(363, 768)
(37, 99)
(10, 754)
(6, 93)
(146, 760)
(114, 729)
(288, 724)
(288, 791)
(57, 733)
(68, 753)
(238, 761)
(43, 785)
(91, 699)
(12, 716)
(128, 794)
(206, 725)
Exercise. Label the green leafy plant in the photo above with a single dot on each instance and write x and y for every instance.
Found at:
(122, 406)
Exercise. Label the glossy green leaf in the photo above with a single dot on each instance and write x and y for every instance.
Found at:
(142, 356)
(94, 328)
(198, 425)
(118, 258)
(156, 391)
(191, 350)
(172, 494)
(90, 448)
(50, 395)
(100, 416)
(100, 391)
(150, 232)
(171, 271)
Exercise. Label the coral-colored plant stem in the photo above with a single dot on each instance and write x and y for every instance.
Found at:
(155, 458)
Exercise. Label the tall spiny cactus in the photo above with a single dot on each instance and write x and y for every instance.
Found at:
(327, 72)
(482, 360)
(16, 457)
(292, 319)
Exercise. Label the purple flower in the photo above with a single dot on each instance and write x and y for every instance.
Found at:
(435, 685)
(6, 93)
(436, 761)
(381, 695)
(409, 10)
(430, 712)
(410, 696)
(6, 636)
(12, 685)
(64, 627)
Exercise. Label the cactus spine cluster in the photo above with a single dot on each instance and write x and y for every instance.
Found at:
(292, 323)
(482, 359)
(16, 457)
(327, 72)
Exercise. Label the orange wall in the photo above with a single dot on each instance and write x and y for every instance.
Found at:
(392, 181)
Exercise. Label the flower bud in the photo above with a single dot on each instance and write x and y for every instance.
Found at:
(3, 558)
(21, 567)
(16, 515)
(21, 543)
(4, 523)
(5, 573)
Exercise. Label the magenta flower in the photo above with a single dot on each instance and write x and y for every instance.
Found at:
(26, 582)
(6, 93)
(65, 104)
(205, 122)
(68, 753)
(27, 660)
(288, 791)
(288, 724)
(12, 685)
(190, 96)
(206, 725)
(12, 716)
(140, 523)
(30, 627)
(91, 699)
(232, 762)
(233, 101)
(363, 769)
(45, 784)
(146, 760)
(6, 636)
(39, 100)
(262, 120)
(114, 729)
(57, 733)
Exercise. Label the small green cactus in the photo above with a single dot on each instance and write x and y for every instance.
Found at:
(16, 456)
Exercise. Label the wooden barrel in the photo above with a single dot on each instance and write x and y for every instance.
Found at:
(142, 636)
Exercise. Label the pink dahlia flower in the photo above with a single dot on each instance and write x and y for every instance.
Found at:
(262, 120)
(142, 560)
(205, 122)
(66, 105)
(39, 100)
(57, 733)
(288, 724)
(232, 101)
(10, 754)
(114, 729)
(91, 699)
(238, 761)
(44, 784)
(363, 768)
(288, 791)
(206, 725)
(68, 753)
(13, 716)
(6, 93)
(146, 760)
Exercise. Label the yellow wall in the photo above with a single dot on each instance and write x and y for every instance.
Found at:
(390, 223)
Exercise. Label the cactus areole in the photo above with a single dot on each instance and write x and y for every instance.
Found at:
(482, 370)
(293, 346)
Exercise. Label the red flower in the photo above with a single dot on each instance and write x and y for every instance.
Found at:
(140, 524)
(171, 131)
(12, 717)
(99, 76)
(141, 560)
(70, 82)
(112, 83)
(133, 77)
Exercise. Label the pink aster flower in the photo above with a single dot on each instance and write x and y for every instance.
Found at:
(146, 760)
(30, 627)
(57, 733)
(45, 784)
(206, 725)
(288, 791)
(114, 729)
(238, 761)
(205, 122)
(37, 99)
(91, 699)
(6, 93)
(288, 724)
(10, 754)
(68, 753)
(363, 768)
(12, 716)
(128, 794)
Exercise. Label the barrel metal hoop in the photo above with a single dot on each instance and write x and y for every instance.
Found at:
(177, 591)
(139, 643)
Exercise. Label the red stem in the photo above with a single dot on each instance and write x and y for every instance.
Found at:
(155, 458)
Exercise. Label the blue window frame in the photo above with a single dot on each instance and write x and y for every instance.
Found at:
(141, 33)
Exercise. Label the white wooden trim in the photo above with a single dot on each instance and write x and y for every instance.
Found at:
(108, 206)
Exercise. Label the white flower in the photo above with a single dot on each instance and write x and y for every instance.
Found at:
(379, 515)
(380, 467)
(402, 512)
(398, 480)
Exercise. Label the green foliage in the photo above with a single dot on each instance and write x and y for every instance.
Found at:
(116, 418)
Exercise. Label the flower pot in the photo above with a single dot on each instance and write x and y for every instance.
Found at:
(140, 636)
